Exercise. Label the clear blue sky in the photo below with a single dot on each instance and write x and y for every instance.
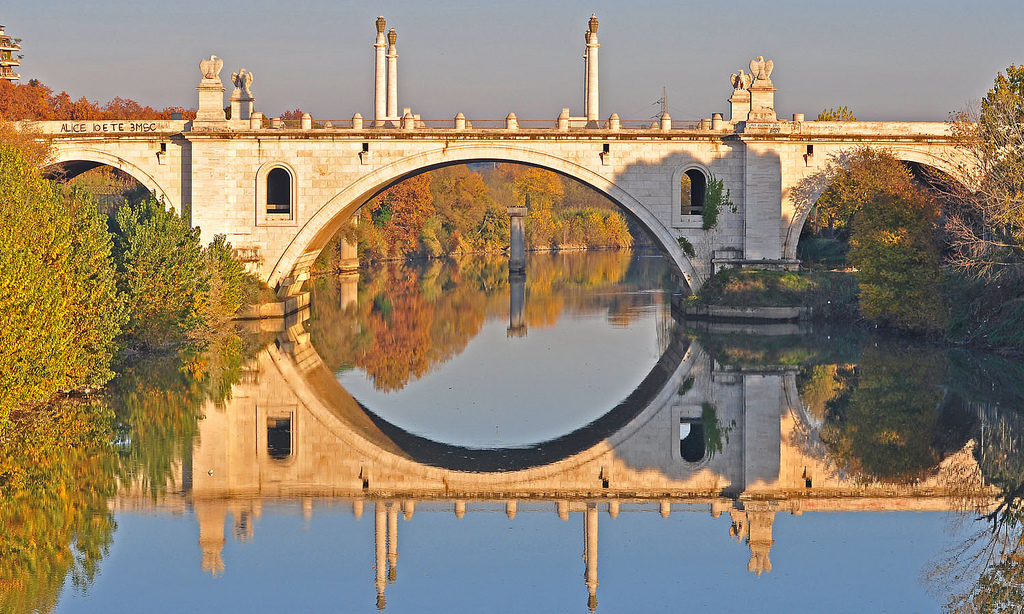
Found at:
(898, 60)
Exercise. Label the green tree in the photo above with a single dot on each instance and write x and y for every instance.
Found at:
(163, 272)
(894, 249)
(60, 309)
(893, 241)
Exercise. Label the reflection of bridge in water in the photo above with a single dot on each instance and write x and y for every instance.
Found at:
(693, 433)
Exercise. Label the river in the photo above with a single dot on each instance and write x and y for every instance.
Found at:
(442, 437)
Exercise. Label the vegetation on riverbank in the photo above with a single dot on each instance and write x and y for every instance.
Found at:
(77, 287)
(831, 295)
(463, 209)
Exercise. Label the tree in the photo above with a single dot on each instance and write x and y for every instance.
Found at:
(840, 114)
(60, 309)
(894, 242)
(162, 271)
(987, 228)
(894, 249)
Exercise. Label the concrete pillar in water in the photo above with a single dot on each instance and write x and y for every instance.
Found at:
(517, 239)
(380, 538)
(516, 304)
(392, 76)
(379, 80)
(590, 554)
(591, 99)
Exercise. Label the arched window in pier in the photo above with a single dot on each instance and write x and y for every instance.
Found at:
(692, 188)
(691, 440)
(279, 192)
(279, 437)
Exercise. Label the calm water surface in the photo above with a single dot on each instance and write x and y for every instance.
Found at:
(445, 438)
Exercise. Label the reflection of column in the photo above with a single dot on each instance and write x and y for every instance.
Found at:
(510, 509)
(380, 537)
(211, 535)
(760, 540)
(516, 304)
(392, 542)
(590, 553)
(517, 238)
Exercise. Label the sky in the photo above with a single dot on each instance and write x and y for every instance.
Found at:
(884, 59)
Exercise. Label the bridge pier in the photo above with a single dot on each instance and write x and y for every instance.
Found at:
(517, 238)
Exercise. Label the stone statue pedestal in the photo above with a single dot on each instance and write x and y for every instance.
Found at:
(740, 102)
(762, 102)
(241, 106)
(211, 102)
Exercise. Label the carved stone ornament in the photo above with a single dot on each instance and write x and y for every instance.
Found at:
(243, 80)
(381, 24)
(211, 68)
(761, 69)
(741, 80)
(392, 36)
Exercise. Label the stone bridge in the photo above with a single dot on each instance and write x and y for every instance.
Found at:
(280, 190)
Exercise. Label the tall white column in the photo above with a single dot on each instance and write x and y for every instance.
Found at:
(591, 63)
(379, 68)
(392, 75)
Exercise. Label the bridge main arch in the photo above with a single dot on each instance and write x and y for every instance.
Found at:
(65, 156)
(310, 240)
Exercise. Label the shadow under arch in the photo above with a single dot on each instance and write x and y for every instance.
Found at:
(68, 163)
(317, 232)
(934, 166)
(319, 389)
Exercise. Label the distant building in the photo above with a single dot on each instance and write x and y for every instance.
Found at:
(9, 57)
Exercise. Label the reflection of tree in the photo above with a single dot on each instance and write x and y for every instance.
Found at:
(409, 318)
(986, 572)
(890, 421)
(158, 399)
(57, 473)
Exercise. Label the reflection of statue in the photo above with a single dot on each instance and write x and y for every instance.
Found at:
(211, 68)
(761, 69)
(741, 80)
(243, 81)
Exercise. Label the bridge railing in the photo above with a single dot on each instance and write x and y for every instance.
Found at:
(491, 124)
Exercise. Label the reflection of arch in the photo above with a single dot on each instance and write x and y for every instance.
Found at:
(956, 168)
(335, 409)
(71, 163)
(316, 233)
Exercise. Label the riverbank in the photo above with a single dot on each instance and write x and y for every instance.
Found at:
(736, 293)
(977, 320)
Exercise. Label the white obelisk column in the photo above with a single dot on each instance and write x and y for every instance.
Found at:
(379, 68)
(392, 76)
(592, 97)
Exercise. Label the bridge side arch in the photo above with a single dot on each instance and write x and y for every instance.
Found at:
(316, 233)
(65, 155)
(951, 162)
